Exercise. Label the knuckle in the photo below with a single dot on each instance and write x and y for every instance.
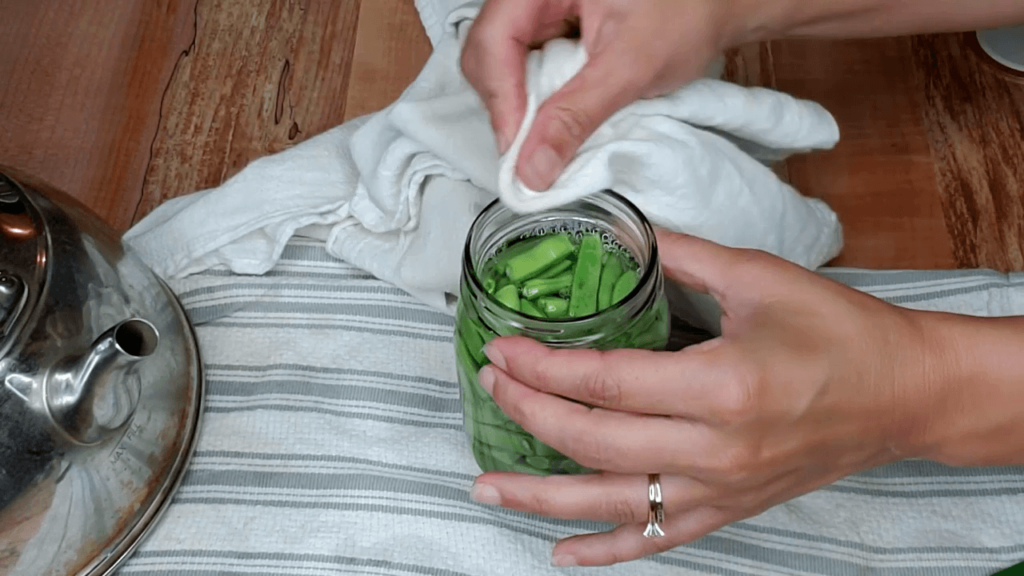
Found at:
(468, 59)
(599, 388)
(737, 403)
(593, 452)
(571, 121)
(733, 465)
(620, 510)
(542, 373)
(474, 71)
(469, 55)
(473, 62)
(738, 396)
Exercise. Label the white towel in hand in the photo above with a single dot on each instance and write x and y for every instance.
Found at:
(660, 155)
(395, 192)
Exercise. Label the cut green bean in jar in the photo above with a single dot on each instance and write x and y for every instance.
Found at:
(537, 274)
(580, 281)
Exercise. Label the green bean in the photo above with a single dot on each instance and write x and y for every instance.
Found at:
(466, 359)
(624, 286)
(539, 462)
(512, 250)
(533, 289)
(547, 253)
(487, 412)
(652, 333)
(542, 449)
(500, 438)
(609, 274)
(530, 309)
(571, 467)
(510, 424)
(490, 284)
(502, 455)
(474, 342)
(557, 269)
(509, 296)
(502, 282)
(587, 277)
(553, 307)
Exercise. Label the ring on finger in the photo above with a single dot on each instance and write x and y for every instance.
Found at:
(656, 513)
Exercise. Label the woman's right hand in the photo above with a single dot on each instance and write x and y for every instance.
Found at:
(636, 49)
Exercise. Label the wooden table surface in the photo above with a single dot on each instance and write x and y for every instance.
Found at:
(126, 103)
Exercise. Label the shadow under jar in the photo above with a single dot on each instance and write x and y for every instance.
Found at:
(585, 275)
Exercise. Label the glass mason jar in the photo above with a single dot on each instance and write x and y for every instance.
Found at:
(640, 319)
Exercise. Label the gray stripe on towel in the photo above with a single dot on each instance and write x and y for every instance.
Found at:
(347, 392)
(267, 456)
(332, 371)
(297, 325)
(405, 420)
(298, 559)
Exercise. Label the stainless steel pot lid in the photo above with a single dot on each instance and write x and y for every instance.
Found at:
(1004, 45)
(100, 389)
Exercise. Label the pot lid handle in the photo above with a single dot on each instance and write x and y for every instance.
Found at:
(12, 298)
(23, 255)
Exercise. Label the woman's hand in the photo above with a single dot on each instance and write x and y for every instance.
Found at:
(809, 382)
(636, 48)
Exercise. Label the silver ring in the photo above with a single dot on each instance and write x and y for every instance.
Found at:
(656, 515)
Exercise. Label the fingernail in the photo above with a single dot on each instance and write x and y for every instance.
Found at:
(484, 494)
(486, 379)
(495, 357)
(541, 168)
(563, 560)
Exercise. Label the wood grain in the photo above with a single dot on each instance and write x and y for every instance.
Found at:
(880, 178)
(80, 92)
(260, 76)
(750, 65)
(126, 103)
(390, 50)
(975, 126)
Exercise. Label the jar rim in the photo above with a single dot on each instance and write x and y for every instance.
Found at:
(650, 269)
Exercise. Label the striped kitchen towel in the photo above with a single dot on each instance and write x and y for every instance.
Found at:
(333, 444)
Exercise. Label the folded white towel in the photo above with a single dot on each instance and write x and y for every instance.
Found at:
(395, 192)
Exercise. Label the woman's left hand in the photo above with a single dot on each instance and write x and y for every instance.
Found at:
(811, 381)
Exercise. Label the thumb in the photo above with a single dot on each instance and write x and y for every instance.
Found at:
(599, 90)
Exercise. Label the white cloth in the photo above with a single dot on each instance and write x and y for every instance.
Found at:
(395, 192)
